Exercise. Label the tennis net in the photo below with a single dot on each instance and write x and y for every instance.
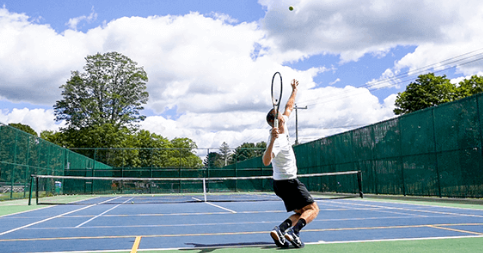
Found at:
(48, 189)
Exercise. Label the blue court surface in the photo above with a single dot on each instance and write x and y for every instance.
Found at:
(138, 227)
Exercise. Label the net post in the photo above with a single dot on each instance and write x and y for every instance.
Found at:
(204, 188)
(359, 182)
(37, 190)
(30, 188)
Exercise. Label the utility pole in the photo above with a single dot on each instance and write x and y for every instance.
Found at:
(297, 123)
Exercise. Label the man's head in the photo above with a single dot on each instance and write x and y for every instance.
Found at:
(271, 117)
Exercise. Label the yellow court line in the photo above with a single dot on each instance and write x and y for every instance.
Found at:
(457, 230)
(135, 246)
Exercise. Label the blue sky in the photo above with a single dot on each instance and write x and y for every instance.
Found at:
(57, 13)
(210, 62)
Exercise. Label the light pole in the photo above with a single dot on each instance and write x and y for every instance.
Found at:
(297, 123)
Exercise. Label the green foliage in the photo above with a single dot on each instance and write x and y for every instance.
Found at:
(214, 160)
(226, 156)
(428, 90)
(123, 148)
(112, 91)
(103, 136)
(183, 154)
(470, 87)
(25, 128)
(58, 138)
(249, 150)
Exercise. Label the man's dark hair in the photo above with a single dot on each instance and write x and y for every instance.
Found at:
(270, 117)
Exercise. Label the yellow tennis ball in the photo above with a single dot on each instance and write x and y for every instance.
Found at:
(290, 8)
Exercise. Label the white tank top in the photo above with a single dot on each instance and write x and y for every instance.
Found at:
(284, 164)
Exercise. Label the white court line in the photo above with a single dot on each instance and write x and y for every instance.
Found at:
(226, 209)
(378, 209)
(51, 218)
(421, 211)
(80, 225)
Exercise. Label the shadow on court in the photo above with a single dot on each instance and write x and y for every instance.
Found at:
(206, 248)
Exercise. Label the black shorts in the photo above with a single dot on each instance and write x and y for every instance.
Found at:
(293, 193)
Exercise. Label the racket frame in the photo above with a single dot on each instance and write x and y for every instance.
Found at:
(275, 100)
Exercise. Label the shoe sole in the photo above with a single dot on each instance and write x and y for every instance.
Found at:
(291, 240)
(276, 239)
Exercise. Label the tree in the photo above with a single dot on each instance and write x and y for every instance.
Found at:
(25, 128)
(103, 136)
(213, 160)
(249, 150)
(470, 87)
(148, 148)
(427, 91)
(225, 153)
(123, 148)
(112, 91)
(184, 154)
(58, 138)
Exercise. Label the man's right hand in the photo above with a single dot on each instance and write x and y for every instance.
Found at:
(274, 133)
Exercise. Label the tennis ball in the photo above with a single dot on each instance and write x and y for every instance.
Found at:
(290, 8)
(132, 202)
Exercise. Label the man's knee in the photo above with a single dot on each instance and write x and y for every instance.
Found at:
(315, 207)
(312, 207)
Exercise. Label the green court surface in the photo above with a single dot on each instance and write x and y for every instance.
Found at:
(463, 245)
(16, 206)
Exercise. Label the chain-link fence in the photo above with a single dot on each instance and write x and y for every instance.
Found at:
(23, 154)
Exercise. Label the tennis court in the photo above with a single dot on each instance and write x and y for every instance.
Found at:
(343, 225)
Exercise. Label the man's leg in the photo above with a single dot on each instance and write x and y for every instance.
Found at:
(300, 219)
(278, 233)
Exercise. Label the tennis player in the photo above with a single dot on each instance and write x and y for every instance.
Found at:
(286, 185)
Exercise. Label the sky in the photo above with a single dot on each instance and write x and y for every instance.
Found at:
(210, 62)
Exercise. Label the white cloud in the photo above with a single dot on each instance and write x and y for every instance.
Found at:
(333, 108)
(335, 81)
(35, 60)
(74, 22)
(37, 119)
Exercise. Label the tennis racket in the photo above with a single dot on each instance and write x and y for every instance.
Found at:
(276, 95)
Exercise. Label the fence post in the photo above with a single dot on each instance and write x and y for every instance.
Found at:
(401, 158)
(359, 181)
(27, 169)
(30, 187)
(12, 179)
(436, 154)
(37, 190)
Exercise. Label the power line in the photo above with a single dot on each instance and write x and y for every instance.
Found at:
(453, 62)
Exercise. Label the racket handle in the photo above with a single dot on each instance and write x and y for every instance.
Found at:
(275, 123)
